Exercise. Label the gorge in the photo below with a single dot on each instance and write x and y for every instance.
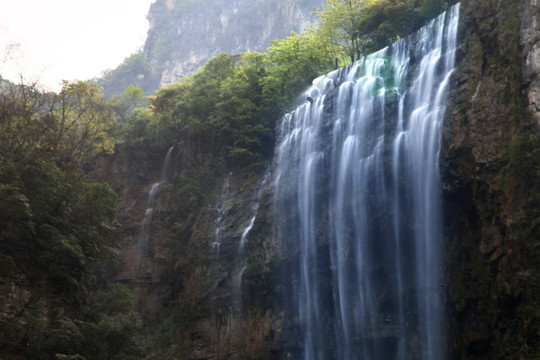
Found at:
(307, 285)
(298, 294)
(392, 213)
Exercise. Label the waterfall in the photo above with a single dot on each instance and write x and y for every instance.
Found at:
(241, 255)
(236, 214)
(221, 208)
(155, 188)
(358, 198)
(142, 242)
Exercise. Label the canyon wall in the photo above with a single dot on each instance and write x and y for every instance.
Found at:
(490, 178)
(214, 284)
(183, 35)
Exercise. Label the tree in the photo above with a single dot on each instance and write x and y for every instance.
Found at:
(113, 330)
(84, 122)
(364, 26)
(53, 218)
(134, 71)
(292, 64)
(386, 21)
(26, 122)
(339, 25)
(242, 121)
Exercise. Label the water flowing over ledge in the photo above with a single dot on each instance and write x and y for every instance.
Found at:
(357, 196)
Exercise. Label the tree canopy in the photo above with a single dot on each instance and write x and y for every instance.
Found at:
(58, 225)
(359, 27)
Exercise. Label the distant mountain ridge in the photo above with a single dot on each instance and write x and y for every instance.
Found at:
(184, 34)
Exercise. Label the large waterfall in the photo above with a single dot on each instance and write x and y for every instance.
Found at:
(358, 198)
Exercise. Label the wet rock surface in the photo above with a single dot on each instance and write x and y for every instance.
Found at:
(489, 208)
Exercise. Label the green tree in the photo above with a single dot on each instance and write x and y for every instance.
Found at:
(84, 123)
(113, 330)
(134, 71)
(292, 64)
(132, 98)
(339, 25)
(27, 122)
(360, 27)
(56, 220)
(243, 124)
(218, 110)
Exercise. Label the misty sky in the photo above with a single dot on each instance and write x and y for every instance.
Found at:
(54, 40)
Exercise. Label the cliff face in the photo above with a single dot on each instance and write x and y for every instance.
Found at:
(212, 279)
(490, 178)
(202, 278)
(145, 257)
(183, 35)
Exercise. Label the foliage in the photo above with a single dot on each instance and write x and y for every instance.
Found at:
(71, 127)
(360, 27)
(228, 108)
(109, 328)
(126, 103)
(292, 64)
(57, 221)
(83, 121)
(339, 24)
(134, 71)
(216, 111)
(113, 329)
(58, 226)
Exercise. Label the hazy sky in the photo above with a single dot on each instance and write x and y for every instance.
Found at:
(54, 40)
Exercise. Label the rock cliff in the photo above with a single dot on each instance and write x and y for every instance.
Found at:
(213, 281)
(183, 35)
(491, 179)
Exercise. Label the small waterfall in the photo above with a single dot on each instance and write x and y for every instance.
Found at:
(221, 209)
(243, 239)
(357, 194)
(241, 255)
(155, 189)
(142, 238)
(234, 221)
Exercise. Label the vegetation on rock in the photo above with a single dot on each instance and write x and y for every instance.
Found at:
(57, 224)
(57, 238)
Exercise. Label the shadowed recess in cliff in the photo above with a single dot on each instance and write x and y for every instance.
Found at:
(357, 190)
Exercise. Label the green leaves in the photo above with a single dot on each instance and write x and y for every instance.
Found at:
(113, 330)
(134, 70)
(339, 23)
(71, 127)
(217, 111)
(55, 224)
(292, 64)
(84, 123)
(360, 27)
(109, 329)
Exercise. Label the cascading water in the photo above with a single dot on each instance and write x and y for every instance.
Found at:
(241, 256)
(142, 242)
(137, 255)
(220, 207)
(229, 254)
(155, 188)
(358, 189)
